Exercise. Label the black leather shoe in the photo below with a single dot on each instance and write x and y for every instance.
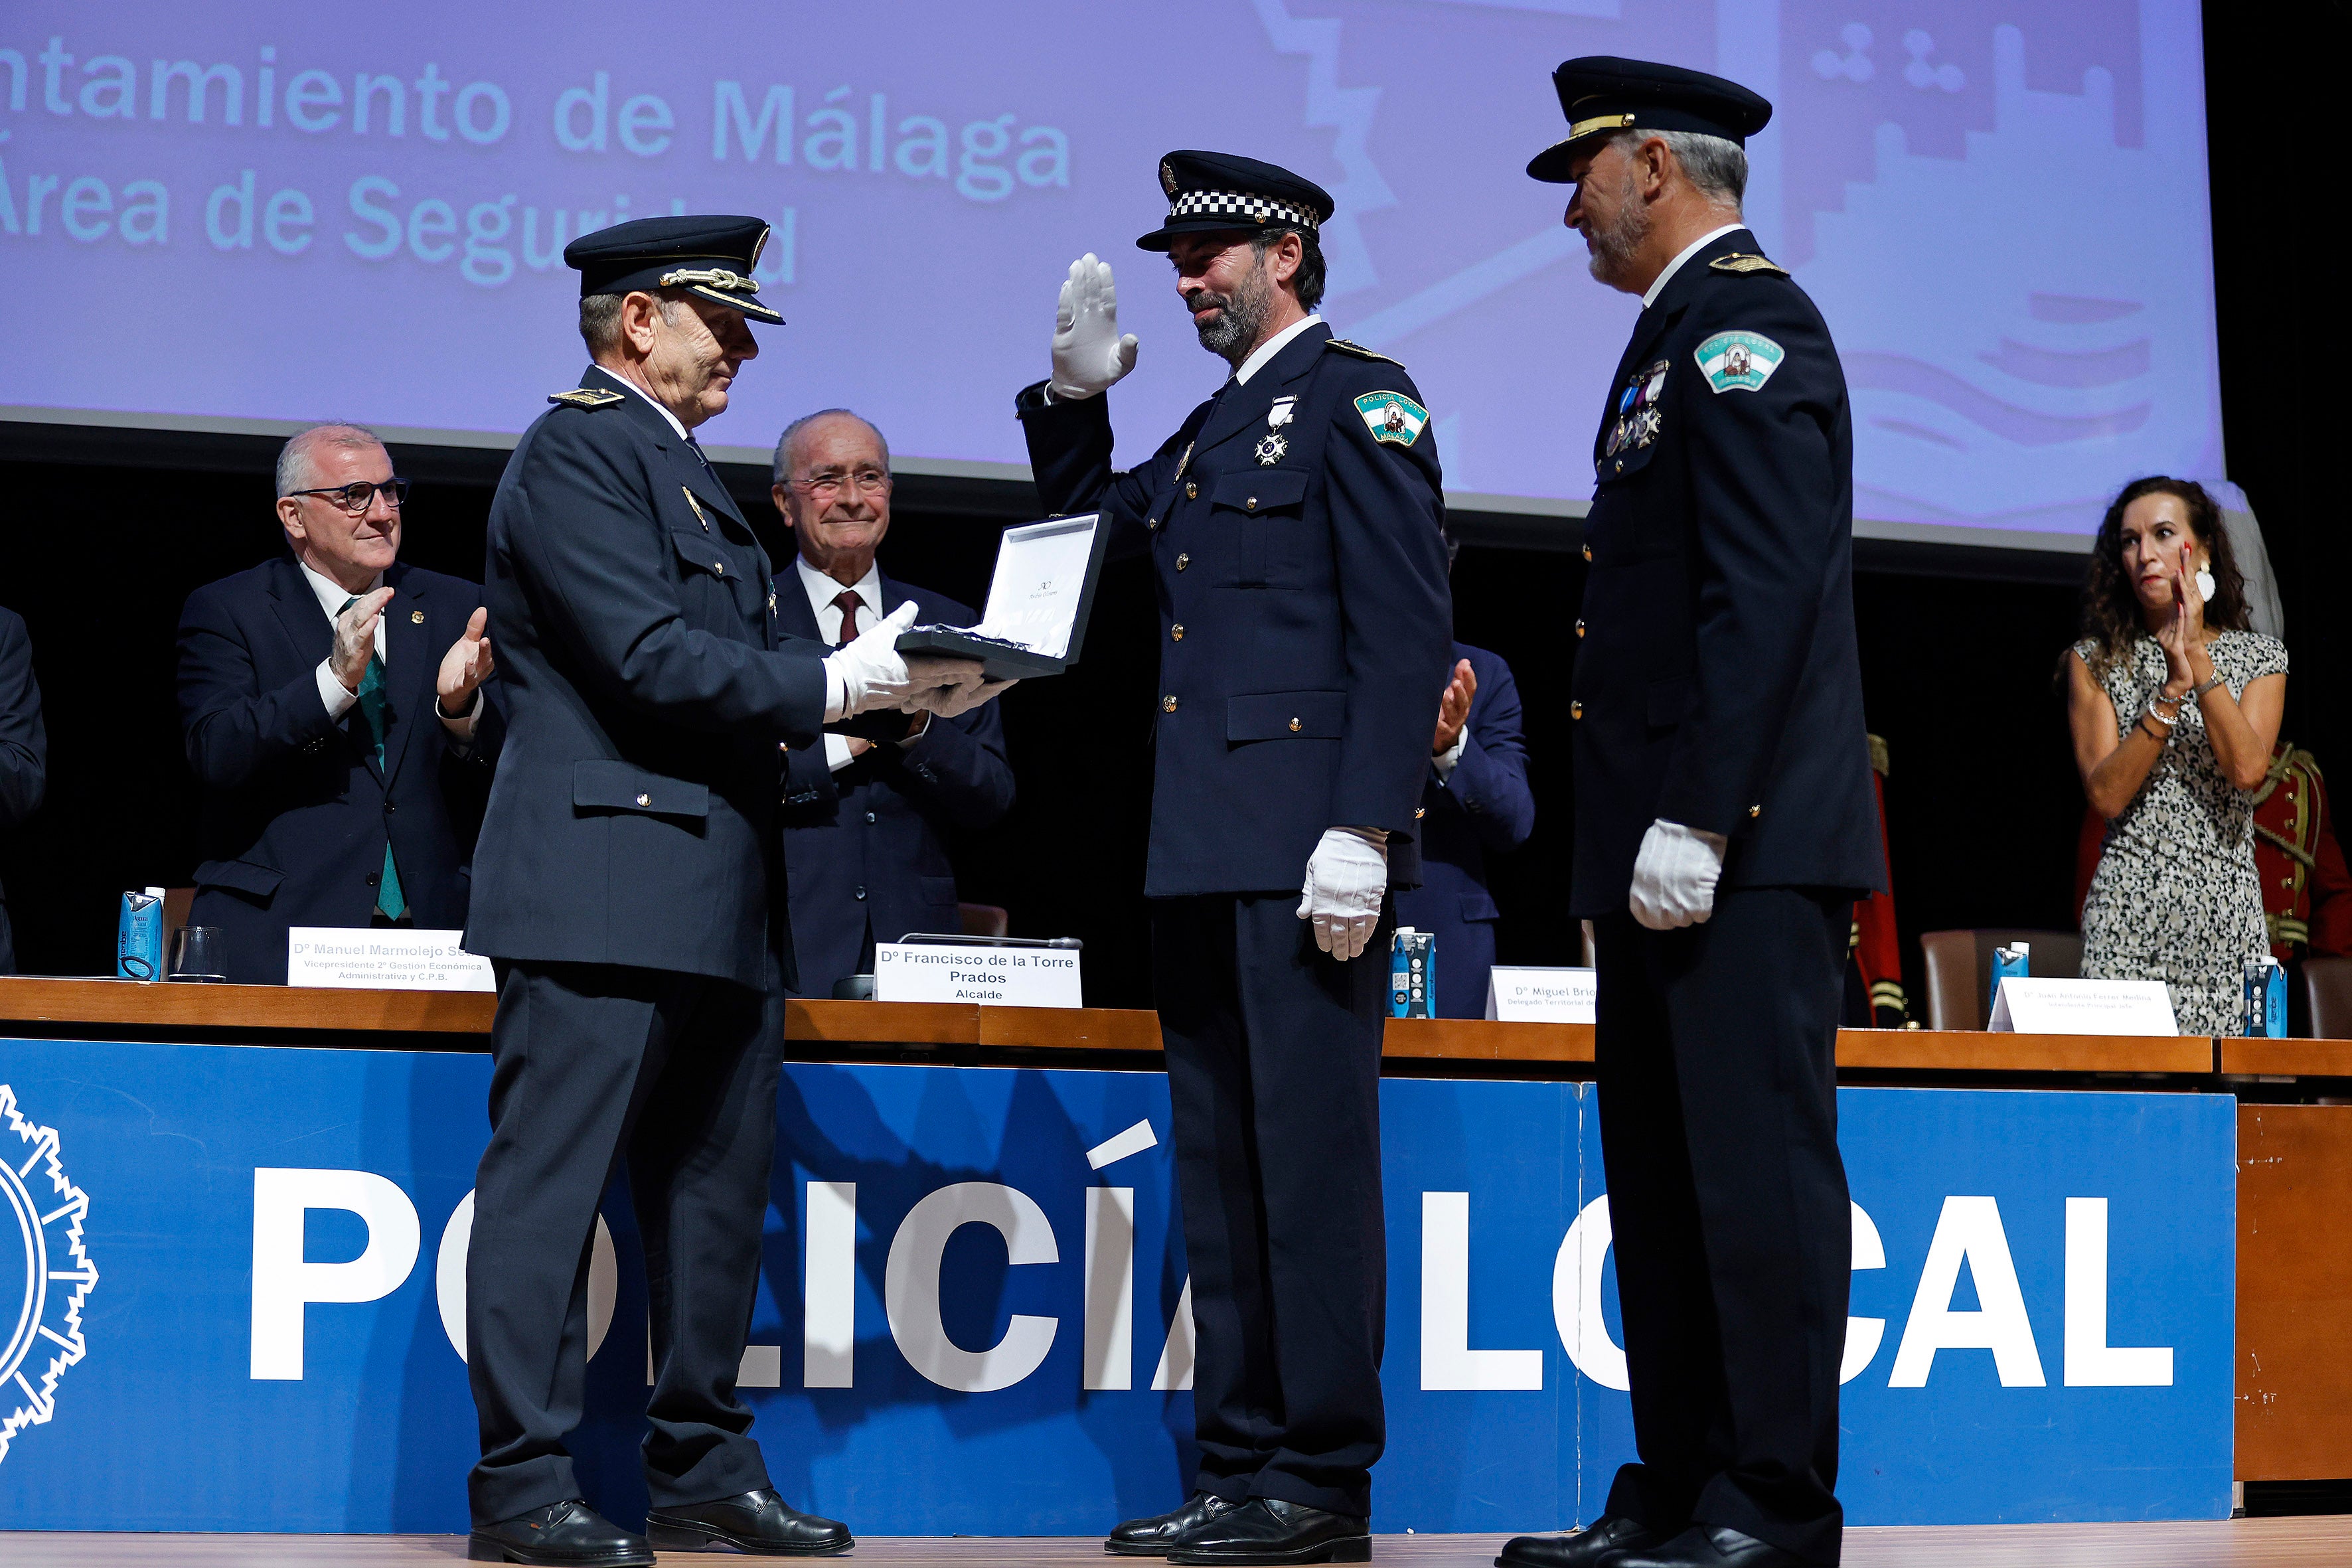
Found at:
(1150, 1537)
(567, 1534)
(1706, 1546)
(1267, 1530)
(758, 1523)
(1578, 1548)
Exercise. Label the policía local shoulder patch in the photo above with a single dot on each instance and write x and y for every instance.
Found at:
(1741, 361)
(1393, 417)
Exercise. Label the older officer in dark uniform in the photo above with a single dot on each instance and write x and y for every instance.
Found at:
(1294, 523)
(629, 888)
(1724, 827)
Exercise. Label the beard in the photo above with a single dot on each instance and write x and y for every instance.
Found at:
(1239, 316)
(1613, 247)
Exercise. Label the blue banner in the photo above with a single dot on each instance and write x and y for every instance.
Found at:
(241, 1304)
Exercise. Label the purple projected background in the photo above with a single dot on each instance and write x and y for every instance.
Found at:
(2002, 214)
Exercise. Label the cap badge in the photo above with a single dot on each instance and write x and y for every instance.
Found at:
(1168, 177)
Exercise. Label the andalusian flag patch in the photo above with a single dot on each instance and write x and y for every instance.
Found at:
(1393, 417)
(1740, 361)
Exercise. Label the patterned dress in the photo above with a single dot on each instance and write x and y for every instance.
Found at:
(2175, 896)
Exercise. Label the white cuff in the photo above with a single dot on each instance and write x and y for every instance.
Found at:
(1446, 761)
(332, 692)
(836, 695)
(836, 753)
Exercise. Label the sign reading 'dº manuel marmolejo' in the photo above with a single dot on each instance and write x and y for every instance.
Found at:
(974, 1312)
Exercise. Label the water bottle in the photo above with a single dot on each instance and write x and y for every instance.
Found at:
(2009, 962)
(138, 936)
(2265, 999)
(1412, 974)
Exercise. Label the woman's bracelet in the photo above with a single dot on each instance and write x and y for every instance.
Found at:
(2150, 712)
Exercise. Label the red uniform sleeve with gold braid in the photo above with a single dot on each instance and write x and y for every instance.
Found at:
(1877, 950)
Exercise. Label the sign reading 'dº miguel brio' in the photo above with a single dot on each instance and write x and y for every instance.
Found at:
(238, 1300)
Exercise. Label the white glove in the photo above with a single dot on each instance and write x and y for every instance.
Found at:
(1089, 354)
(1347, 878)
(1675, 875)
(873, 673)
(949, 701)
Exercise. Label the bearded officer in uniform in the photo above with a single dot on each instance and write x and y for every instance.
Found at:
(1294, 525)
(1724, 827)
(629, 889)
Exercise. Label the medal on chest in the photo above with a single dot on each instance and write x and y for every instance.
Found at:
(1638, 419)
(1274, 446)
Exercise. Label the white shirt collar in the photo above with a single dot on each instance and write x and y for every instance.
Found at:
(331, 593)
(1271, 347)
(823, 591)
(1693, 248)
(648, 396)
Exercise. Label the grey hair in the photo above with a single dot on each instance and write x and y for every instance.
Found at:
(295, 470)
(600, 316)
(1716, 165)
(784, 442)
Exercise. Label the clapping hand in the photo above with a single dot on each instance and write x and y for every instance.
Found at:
(1454, 708)
(355, 638)
(1089, 353)
(466, 666)
(2182, 635)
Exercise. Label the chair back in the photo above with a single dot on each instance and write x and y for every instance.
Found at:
(1959, 969)
(2327, 988)
(985, 919)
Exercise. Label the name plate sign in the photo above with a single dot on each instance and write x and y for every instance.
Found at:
(2031, 1006)
(1002, 976)
(1532, 995)
(384, 959)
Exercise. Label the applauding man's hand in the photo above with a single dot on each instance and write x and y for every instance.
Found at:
(355, 638)
(1089, 354)
(465, 666)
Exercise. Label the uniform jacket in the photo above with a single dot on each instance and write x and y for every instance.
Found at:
(24, 749)
(1716, 680)
(1484, 808)
(1304, 617)
(634, 817)
(296, 809)
(869, 842)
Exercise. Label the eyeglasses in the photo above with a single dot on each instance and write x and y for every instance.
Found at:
(357, 499)
(827, 485)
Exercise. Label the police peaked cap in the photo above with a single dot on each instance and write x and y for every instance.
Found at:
(1603, 95)
(708, 256)
(1210, 191)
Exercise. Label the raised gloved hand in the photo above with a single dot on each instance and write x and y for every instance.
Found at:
(1347, 878)
(949, 701)
(1089, 354)
(1675, 875)
(873, 674)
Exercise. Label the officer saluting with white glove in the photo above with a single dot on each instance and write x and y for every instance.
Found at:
(1293, 524)
(1724, 825)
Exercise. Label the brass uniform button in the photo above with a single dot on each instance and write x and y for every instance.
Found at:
(1192, 490)
(1754, 811)
(1183, 561)
(644, 800)
(1576, 710)
(1579, 628)
(1175, 634)
(1251, 505)
(1294, 726)
(1167, 705)
(718, 569)
(1588, 553)
(1419, 812)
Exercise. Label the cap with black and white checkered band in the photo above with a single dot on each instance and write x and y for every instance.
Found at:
(1211, 190)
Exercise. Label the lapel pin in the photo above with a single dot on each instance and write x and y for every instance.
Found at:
(417, 616)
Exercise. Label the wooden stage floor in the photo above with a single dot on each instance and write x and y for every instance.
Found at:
(2313, 1542)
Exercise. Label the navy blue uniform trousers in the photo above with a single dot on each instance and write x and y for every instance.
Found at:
(677, 1073)
(1273, 1070)
(1715, 1060)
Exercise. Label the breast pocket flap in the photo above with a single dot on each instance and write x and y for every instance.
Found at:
(1263, 490)
(617, 786)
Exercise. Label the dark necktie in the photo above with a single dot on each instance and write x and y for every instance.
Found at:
(848, 604)
(390, 901)
(696, 447)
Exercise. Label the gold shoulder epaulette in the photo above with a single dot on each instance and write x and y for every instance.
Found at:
(585, 397)
(1740, 261)
(1878, 754)
(1358, 351)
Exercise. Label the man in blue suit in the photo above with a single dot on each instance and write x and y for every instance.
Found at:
(333, 706)
(24, 749)
(1475, 803)
(866, 823)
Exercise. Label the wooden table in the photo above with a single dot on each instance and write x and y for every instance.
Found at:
(2294, 1179)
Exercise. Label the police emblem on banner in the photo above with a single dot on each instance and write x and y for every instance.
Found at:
(40, 1319)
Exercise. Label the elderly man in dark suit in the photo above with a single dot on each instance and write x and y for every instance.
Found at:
(332, 705)
(866, 821)
(1474, 804)
(24, 749)
(630, 890)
